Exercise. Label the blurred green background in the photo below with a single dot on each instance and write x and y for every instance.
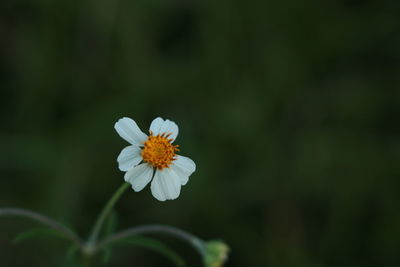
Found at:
(289, 108)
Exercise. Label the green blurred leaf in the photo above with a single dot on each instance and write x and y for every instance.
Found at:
(71, 252)
(37, 232)
(155, 245)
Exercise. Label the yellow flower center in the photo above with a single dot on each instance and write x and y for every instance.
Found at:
(159, 151)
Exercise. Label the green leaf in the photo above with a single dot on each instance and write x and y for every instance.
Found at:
(37, 232)
(155, 245)
(72, 252)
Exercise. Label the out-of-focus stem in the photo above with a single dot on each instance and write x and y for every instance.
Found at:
(194, 241)
(68, 233)
(103, 216)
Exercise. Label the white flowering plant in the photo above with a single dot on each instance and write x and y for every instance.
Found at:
(148, 159)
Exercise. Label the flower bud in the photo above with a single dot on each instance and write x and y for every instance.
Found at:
(215, 253)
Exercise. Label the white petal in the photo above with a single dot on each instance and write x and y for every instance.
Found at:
(139, 176)
(165, 185)
(129, 157)
(155, 125)
(183, 167)
(159, 126)
(183, 179)
(128, 130)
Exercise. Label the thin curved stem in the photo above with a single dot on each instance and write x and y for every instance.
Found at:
(104, 214)
(68, 233)
(194, 241)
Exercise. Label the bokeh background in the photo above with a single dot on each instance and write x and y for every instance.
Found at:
(289, 108)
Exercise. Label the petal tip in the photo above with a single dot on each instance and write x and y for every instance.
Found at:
(126, 177)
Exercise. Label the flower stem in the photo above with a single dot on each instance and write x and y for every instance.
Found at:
(104, 214)
(86, 262)
(68, 233)
(194, 241)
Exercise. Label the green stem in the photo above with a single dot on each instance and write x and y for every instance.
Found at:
(104, 214)
(68, 233)
(194, 241)
(86, 262)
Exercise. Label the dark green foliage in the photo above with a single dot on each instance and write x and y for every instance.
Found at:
(290, 109)
(37, 233)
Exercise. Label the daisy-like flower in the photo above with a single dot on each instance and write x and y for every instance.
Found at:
(153, 158)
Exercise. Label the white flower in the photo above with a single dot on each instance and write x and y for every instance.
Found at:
(153, 157)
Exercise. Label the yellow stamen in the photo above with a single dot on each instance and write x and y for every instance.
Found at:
(159, 151)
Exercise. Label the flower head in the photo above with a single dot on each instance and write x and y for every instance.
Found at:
(153, 158)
